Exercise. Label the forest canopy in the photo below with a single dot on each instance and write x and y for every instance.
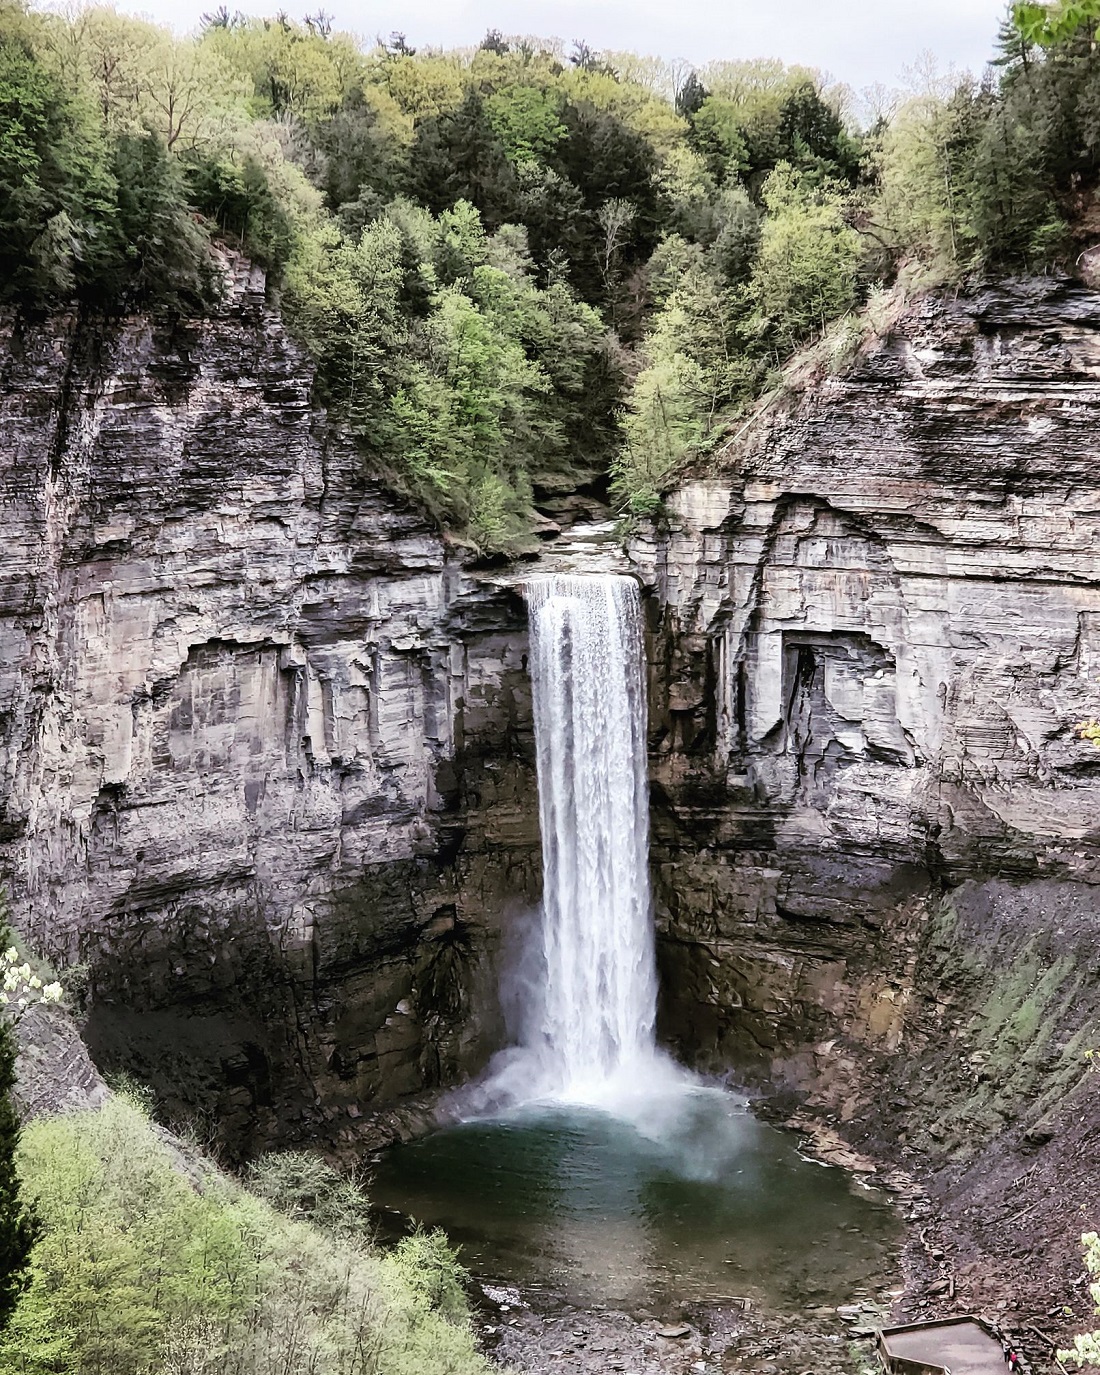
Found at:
(523, 270)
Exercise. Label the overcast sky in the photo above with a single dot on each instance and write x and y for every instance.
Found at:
(857, 41)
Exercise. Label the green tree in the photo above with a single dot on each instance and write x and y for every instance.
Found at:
(807, 268)
(153, 253)
(141, 1268)
(365, 149)
(239, 199)
(19, 1226)
(812, 136)
(719, 136)
(527, 121)
(700, 361)
(1048, 25)
(1013, 216)
(458, 155)
(56, 189)
(925, 175)
(607, 161)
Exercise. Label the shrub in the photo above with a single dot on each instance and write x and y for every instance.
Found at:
(143, 1267)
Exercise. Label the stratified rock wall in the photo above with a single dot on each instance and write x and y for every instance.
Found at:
(875, 636)
(266, 760)
(265, 747)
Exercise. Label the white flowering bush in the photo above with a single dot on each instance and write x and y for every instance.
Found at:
(21, 988)
(1086, 1347)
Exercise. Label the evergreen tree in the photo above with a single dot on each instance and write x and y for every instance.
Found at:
(690, 96)
(360, 152)
(812, 136)
(154, 253)
(55, 189)
(606, 161)
(457, 156)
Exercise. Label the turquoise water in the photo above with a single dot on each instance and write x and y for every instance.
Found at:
(694, 1199)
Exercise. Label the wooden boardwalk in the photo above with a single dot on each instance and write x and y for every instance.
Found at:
(961, 1346)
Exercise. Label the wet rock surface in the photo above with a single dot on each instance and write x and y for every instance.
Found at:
(539, 1334)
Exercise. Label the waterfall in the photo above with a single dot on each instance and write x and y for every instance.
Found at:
(594, 1004)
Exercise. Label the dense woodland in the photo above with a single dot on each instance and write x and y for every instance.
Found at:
(521, 269)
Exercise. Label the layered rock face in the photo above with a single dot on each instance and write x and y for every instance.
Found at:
(267, 764)
(875, 636)
(267, 757)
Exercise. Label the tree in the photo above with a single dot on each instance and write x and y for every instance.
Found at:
(56, 189)
(495, 42)
(19, 1226)
(142, 77)
(718, 135)
(690, 97)
(527, 121)
(924, 178)
(1013, 216)
(1047, 25)
(365, 148)
(812, 136)
(606, 160)
(458, 155)
(154, 253)
(805, 273)
(587, 59)
(615, 218)
(239, 199)
(699, 361)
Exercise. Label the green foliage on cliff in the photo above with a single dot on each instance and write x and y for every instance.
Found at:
(990, 177)
(148, 1263)
(519, 270)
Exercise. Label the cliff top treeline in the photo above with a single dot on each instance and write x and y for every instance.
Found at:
(521, 270)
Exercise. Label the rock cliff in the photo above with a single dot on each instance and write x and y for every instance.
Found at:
(265, 746)
(876, 827)
(267, 766)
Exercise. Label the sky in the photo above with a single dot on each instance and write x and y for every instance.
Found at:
(860, 42)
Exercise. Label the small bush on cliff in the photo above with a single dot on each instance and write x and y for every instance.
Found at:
(303, 1185)
(143, 1267)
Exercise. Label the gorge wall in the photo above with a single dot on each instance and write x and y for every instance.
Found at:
(876, 826)
(265, 746)
(268, 767)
